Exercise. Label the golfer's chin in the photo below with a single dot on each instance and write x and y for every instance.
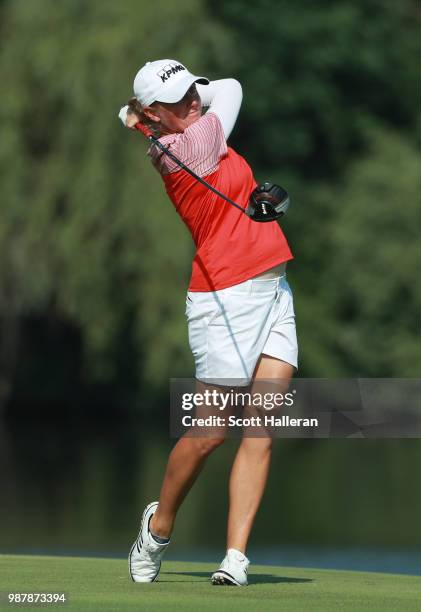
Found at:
(189, 119)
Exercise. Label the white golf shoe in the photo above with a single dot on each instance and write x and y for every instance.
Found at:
(233, 569)
(146, 554)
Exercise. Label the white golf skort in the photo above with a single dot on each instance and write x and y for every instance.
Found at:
(230, 328)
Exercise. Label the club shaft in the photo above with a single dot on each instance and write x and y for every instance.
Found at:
(193, 174)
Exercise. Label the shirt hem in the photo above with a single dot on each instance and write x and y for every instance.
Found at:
(242, 277)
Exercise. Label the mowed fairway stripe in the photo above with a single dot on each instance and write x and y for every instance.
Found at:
(104, 584)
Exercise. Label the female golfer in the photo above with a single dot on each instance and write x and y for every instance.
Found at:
(239, 306)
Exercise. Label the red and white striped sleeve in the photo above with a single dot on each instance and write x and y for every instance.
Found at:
(200, 147)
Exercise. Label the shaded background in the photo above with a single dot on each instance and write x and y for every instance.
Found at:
(94, 265)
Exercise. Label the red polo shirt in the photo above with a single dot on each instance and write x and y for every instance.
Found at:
(230, 247)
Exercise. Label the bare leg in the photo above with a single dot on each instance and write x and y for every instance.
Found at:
(251, 467)
(185, 463)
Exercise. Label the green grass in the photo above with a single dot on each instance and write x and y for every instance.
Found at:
(103, 584)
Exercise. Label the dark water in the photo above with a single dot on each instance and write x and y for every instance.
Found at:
(80, 487)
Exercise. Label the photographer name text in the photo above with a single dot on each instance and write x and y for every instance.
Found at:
(254, 421)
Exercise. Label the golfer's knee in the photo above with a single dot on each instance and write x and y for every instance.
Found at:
(205, 446)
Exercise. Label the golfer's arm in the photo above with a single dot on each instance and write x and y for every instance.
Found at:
(223, 97)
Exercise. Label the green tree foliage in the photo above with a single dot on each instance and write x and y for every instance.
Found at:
(376, 236)
(88, 237)
(319, 79)
(358, 311)
(313, 71)
(87, 234)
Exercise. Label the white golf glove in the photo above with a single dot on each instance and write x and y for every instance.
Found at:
(123, 115)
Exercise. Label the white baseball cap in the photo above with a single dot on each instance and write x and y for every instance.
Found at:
(163, 81)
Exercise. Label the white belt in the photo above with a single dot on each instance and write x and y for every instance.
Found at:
(274, 272)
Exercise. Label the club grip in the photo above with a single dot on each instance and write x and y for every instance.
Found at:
(144, 129)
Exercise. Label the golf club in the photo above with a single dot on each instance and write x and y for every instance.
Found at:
(267, 202)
